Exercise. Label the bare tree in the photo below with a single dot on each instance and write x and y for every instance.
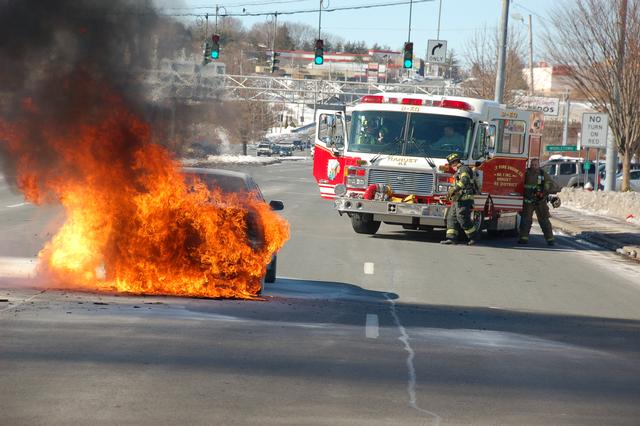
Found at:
(481, 54)
(600, 42)
(302, 35)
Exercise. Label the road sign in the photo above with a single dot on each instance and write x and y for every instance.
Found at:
(561, 148)
(548, 106)
(594, 130)
(437, 51)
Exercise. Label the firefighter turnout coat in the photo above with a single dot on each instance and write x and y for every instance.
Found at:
(461, 195)
(537, 187)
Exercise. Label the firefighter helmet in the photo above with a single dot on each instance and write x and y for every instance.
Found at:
(453, 157)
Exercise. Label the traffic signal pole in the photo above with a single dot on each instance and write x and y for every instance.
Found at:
(274, 56)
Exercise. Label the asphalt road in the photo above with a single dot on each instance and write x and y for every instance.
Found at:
(357, 330)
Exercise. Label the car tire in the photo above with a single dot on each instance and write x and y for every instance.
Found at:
(270, 276)
(363, 223)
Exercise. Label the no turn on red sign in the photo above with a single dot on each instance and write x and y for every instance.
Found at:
(594, 130)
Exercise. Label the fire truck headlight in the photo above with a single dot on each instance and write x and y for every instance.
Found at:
(340, 190)
(443, 188)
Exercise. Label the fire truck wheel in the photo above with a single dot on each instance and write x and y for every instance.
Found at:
(363, 223)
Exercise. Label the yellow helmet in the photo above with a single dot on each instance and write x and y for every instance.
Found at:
(453, 157)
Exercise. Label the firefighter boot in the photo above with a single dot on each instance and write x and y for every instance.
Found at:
(473, 238)
(449, 241)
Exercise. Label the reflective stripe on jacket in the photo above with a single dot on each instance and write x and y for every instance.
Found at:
(464, 182)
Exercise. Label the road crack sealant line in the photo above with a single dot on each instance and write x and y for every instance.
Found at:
(28, 299)
(411, 386)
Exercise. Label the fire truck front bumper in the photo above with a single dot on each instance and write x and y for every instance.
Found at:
(395, 213)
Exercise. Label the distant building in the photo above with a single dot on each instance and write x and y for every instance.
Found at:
(549, 80)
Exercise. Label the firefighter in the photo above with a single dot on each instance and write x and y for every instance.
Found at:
(371, 133)
(537, 187)
(461, 197)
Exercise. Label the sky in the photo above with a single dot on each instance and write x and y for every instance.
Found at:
(389, 25)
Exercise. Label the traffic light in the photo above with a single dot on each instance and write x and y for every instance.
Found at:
(274, 61)
(206, 52)
(408, 55)
(319, 52)
(215, 46)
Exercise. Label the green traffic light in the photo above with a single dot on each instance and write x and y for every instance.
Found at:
(408, 63)
(319, 60)
(215, 54)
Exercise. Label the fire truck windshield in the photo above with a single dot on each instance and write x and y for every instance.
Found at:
(425, 135)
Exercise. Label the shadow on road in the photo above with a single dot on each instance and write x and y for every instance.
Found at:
(536, 242)
(286, 287)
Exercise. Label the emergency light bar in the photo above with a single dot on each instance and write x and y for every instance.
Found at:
(372, 99)
(445, 103)
(411, 101)
(448, 103)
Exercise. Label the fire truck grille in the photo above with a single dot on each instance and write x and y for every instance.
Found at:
(403, 182)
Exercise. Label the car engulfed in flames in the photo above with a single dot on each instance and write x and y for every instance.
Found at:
(128, 210)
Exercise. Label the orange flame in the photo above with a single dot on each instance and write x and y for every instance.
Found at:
(129, 210)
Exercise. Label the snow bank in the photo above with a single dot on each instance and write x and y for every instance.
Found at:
(621, 205)
(212, 160)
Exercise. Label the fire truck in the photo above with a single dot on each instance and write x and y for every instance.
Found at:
(383, 160)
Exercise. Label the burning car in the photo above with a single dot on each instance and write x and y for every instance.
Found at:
(232, 182)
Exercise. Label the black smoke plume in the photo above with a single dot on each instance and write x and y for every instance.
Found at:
(59, 58)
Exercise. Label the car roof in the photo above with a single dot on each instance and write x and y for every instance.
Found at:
(217, 172)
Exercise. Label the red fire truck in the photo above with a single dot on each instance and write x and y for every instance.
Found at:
(383, 160)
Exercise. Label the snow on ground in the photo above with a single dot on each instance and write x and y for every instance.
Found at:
(213, 160)
(229, 159)
(620, 205)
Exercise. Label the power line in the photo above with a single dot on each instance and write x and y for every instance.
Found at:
(255, 3)
(297, 12)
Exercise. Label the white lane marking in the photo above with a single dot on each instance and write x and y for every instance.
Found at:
(368, 268)
(13, 206)
(411, 386)
(23, 302)
(371, 327)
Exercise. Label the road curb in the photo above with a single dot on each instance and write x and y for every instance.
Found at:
(596, 238)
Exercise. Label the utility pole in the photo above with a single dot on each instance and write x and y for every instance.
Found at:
(502, 52)
(530, 56)
(611, 166)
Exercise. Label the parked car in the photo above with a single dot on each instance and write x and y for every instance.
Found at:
(264, 149)
(299, 144)
(634, 181)
(283, 150)
(238, 182)
(570, 172)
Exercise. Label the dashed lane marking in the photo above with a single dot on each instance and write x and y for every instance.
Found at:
(368, 268)
(371, 327)
(13, 206)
